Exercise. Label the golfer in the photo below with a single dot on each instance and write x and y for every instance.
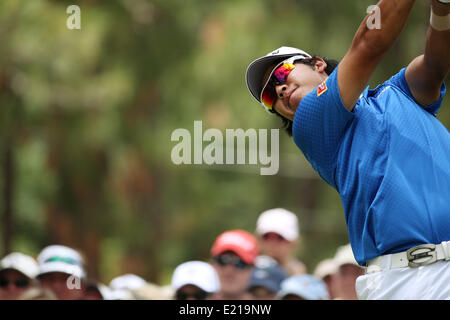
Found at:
(383, 150)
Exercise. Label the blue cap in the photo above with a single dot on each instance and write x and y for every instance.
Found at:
(306, 286)
(267, 277)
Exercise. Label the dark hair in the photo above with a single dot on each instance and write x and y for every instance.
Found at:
(331, 65)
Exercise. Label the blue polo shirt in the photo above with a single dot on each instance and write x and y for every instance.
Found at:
(389, 160)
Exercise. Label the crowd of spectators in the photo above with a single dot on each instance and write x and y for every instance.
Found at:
(242, 266)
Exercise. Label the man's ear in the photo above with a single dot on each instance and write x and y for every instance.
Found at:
(320, 65)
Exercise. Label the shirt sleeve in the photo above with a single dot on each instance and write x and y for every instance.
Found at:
(319, 123)
(399, 80)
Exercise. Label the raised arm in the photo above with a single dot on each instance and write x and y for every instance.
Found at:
(369, 46)
(426, 73)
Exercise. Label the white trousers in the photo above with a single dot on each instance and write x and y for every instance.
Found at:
(431, 282)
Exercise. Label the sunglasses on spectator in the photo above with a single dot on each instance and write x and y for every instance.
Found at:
(273, 236)
(19, 283)
(237, 262)
(279, 76)
(199, 295)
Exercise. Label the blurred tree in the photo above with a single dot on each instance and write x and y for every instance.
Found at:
(86, 118)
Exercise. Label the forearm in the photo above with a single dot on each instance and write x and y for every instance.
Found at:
(424, 75)
(393, 14)
(369, 46)
(437, 49)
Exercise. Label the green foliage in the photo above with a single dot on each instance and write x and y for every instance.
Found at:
(91, 113)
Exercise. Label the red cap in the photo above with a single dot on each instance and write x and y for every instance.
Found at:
(241, 242)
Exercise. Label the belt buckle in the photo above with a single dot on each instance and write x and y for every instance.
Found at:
(431, 253)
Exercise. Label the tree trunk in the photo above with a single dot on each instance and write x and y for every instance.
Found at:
(8, 191)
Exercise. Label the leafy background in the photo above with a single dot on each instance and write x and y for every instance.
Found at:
(86, 118)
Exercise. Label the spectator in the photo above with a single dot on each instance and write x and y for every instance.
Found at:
(278, 235)
(303, 287)
(38, 293)
(97, 291)
(265, 280)
(122, 295)
(195, 280)
(17, 274)
(61, 270)
(233, 255)
(123, 286)
(153, 291)
(347, 273)
(326, 271)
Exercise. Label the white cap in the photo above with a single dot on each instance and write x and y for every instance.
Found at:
(152, 291)
(20, 262)
(280, 221)
(128, 282)
(257, 69)
(344, 255)
(306, 286)
(197, 273)
(325, 267)
(104, 290)
(121, 294)
(57, 258)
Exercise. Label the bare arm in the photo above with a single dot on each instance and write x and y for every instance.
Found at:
(369, 46)
(426, 73)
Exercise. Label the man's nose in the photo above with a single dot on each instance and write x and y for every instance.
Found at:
(281, 90)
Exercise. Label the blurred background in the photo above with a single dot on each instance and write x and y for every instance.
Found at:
(86, 118)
